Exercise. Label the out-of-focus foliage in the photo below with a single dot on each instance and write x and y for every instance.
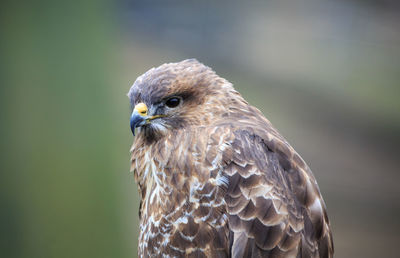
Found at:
(65, 139)
(326, 73)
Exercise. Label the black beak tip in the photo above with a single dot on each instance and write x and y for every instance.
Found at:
(136, 121)
(133, 126)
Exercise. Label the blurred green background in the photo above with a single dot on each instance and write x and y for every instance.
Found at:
(326, 73)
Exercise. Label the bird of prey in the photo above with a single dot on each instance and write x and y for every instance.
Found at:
(215, 178)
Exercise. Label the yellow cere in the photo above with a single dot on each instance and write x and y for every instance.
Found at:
(141, 108)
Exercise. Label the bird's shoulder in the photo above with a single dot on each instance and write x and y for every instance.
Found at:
(273, 201)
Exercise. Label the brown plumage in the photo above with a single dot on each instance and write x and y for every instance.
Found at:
(215, 178)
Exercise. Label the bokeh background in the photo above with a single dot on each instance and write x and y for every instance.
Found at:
(326, 73)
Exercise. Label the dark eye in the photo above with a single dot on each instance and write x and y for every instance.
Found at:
(173, 102)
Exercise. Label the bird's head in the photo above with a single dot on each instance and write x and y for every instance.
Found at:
(178, 95)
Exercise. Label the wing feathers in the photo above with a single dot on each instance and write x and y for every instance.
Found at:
(274, 205)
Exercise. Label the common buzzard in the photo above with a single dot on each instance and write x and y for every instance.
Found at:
(215, 178)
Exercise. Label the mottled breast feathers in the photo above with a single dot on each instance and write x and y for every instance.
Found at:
(230, 186)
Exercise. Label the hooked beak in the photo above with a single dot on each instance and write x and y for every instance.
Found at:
(139, 117)
(136, 121)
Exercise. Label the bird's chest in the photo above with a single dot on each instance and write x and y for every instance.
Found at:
(182, 222)
(182, 196)
(179, 213)
(164, 211)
